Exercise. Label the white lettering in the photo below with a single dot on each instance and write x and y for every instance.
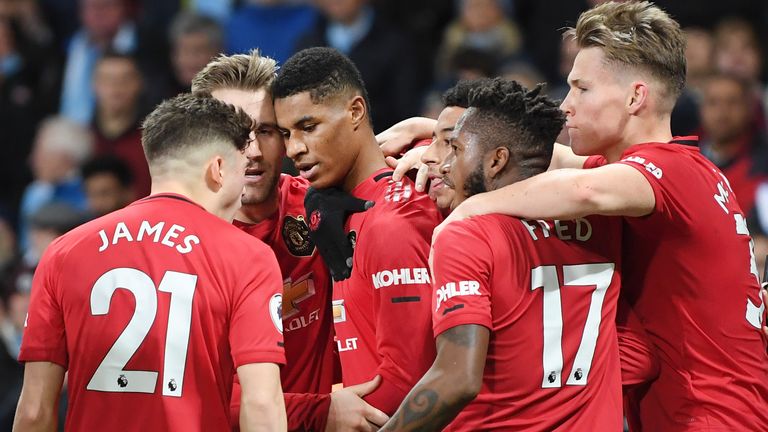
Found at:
(146, 229)
(544, 227)
(531, 229)
(349, 345)
(172, 234)
(403, 276)
(450, 290)
(121, 232)
(722, 197)
(583, 235)
(104, 240)
(561, 230)
(188, 241)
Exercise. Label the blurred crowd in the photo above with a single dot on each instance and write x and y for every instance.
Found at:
(78, 76)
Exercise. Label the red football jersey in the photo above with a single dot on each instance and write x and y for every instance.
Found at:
(547, 291)
(382, 312)
(151, 309)
(691, 278)
(307, 319)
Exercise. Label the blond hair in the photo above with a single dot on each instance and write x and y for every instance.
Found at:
(637, 34)
(250, 71)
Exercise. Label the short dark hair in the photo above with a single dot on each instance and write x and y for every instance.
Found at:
(458, 95)
(505, 114)
(108, 165)
(186, 122)
(111, 54)
(323, 72)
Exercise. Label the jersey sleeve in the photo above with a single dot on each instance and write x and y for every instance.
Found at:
(306, 411)
(255, 334)
(461, 269)
(44, 336)
(652, 162)
(398, 271)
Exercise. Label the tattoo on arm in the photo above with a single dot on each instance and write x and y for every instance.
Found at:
(440, 395)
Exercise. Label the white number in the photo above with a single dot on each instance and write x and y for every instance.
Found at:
(545, 277)
(110, 375)
(754, 313)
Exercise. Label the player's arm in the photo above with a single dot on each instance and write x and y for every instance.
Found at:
(452, 382)
(261, 402)
(563, 157)
(341, 411)
(39, 401)
(400, 136)
(612, 190)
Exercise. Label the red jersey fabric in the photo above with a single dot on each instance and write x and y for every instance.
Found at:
(692, 280)
(306, 311)
(547, 291)
(307, 319)
(151, 309)
(382, 312)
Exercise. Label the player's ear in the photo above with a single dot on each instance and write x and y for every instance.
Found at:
(496, 161)
(214, 173)
(638, 97)
(358, 111)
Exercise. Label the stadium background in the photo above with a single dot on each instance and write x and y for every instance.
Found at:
(77, 77)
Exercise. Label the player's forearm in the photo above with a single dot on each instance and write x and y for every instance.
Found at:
(561, 194)
(263, 414)
(435, 400)
(34, 419)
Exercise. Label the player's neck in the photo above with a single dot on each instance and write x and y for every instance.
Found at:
(369, 160)
(255, 213)
(641, 130)
(205, 199)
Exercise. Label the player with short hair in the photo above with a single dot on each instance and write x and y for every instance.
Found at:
(273, 211)
(153, 308)
(690, 272)
(381, 312)
(523, 310)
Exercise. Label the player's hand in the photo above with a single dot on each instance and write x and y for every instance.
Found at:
(410, 160)
(327, 211)
(349, 412)
(401, 136)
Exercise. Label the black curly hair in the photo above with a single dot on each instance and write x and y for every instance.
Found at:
(458, 95)
(503, 113)
(323, 72)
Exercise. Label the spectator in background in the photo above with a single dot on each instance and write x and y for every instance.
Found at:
(116, 126)
(108, 185)
(730, 138)
(737, 52)
(380, 52)
(195, 40)
(482, 25)
(105, 25)
(699, 57)
(272, 26)
(61, 146)
(18, 117)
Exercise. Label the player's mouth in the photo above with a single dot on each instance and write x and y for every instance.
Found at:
(307, 171)
(253, 175)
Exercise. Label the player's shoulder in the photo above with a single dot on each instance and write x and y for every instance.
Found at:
(293, 185)
(489, 228)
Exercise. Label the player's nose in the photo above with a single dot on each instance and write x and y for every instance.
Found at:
(294, 147)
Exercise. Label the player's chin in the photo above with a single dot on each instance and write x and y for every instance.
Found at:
(443, 199)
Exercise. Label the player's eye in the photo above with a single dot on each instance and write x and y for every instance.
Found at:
(265, 131)
(309, 127)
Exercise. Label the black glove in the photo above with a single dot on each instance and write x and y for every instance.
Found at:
(327, 211)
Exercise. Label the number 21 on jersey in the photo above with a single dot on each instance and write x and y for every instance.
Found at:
(111, 376)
